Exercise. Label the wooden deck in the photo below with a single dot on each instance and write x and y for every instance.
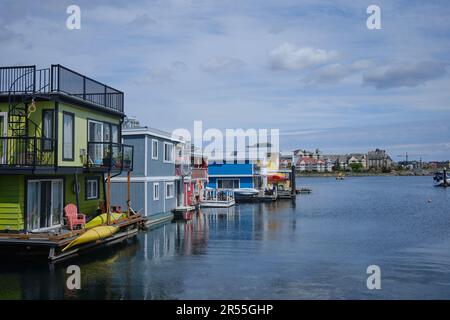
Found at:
(50, 244)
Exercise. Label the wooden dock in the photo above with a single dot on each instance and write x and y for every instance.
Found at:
(50, 244)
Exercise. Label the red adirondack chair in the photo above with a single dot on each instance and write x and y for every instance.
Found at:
(73, 217)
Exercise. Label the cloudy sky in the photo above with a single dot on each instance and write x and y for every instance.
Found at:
(308, 67)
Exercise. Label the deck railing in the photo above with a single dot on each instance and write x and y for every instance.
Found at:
(59, 79)
(108, 155)
(27, 152)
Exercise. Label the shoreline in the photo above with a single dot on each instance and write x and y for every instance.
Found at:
(363, 174)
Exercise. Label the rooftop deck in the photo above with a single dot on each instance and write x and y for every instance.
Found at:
(57, 79)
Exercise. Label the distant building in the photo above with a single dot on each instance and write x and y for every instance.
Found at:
(357, 158)
(309, 164)
(379, 159)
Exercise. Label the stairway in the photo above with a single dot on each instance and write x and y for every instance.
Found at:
(25, 134)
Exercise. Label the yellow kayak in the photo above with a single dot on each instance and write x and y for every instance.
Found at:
(92, 235)
(101, 219)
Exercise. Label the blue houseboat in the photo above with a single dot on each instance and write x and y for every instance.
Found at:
(156, 186)
(234, 175)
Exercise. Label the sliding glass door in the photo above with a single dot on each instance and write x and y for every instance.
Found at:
(44, 204)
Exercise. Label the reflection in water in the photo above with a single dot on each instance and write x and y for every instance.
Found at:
(316, 248)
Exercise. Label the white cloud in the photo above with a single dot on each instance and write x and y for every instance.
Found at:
(288, 56)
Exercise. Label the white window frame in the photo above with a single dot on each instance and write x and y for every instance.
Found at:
(90, 180)
(173, 190)
(153, 149)
(164, 153)
(156, 195)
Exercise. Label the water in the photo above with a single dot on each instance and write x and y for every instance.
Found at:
(316, 248)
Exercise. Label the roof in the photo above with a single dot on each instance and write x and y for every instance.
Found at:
(152, 132)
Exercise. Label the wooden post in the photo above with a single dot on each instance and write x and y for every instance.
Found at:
(293, 187)
(77, 191)
(128, 193)
(108, 199)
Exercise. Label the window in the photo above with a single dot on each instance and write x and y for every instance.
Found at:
(227, 183)
(68, 136)
(155, 145)
(92, 188)
(115, 133)
(155, 191)
(168, 152)
(169, 190)
(47, 130)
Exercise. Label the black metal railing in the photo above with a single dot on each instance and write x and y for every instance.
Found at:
(27, 152)
(109, 155)
(75, 84)
(28, 80)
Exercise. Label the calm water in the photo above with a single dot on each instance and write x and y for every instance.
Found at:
(316, 248)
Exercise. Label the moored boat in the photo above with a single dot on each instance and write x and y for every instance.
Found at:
(441, 179)
(245, 194)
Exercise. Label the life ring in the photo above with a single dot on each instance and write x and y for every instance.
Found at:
(32, 107)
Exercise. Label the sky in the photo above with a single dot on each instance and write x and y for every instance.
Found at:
(310, 68)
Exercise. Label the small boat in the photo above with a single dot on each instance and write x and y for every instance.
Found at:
(245, 194)
(91, 235)
(340, 176)
(102, 219)
(439, 180)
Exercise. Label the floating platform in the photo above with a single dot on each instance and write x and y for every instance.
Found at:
(49, 245)
(183, 213)
(268, 198)
(217, 204)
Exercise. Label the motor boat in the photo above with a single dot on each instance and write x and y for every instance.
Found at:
(440, 181)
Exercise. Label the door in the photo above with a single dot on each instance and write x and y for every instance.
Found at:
(3, 133)
(44, 204)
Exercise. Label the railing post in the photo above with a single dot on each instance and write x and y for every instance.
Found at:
(84, 88)
(34, 152)
(104, 98)
(58, 82)
(34, 80)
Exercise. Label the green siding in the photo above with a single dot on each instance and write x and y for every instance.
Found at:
(82, 116)
(87, 207)
(12, 199)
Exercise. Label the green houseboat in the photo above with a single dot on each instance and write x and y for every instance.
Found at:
(60, 133)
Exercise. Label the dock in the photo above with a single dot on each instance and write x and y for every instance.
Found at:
(183, 213)
(50, 244)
